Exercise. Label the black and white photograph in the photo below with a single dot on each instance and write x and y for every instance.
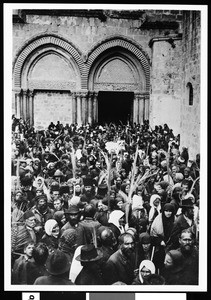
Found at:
(105, 139)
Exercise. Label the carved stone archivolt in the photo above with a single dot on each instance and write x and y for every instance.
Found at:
(84, 104)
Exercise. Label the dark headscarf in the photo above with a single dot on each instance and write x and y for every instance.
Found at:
(167, 222)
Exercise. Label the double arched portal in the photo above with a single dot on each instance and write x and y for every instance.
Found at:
(54, 81)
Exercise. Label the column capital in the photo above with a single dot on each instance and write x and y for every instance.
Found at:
(30, 93)
(17, 90)
(24, 92)
(95, 93)
(91, 94)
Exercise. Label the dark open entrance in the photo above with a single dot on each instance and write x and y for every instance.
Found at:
(115, 107)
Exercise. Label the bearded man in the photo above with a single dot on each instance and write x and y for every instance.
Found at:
(42, 211)
(121, 264)
(182, 264)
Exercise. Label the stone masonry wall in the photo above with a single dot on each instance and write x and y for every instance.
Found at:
(52, 107)
(190, 114)
(166, 84)
(86, 32)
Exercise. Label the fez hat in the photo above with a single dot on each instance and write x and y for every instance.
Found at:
(102, 189)
(89, 253)
(57, 263)
(88, 181)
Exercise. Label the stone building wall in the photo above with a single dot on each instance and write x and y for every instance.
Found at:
(85, 32)
(166, 83)
(190, 114)
(156, 32)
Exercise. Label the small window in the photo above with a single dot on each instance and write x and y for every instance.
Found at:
(190, 93)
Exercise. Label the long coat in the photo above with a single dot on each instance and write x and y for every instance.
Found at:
(118, 268)
(33, 271)
(19, 273)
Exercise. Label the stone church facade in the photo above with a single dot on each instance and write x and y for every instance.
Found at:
(87, 66)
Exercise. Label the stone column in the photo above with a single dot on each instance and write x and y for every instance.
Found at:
(18, 103)
(146, 108)
(84, 107)
(71, 105)
(90, 107)
(74, 108)
(79, 117)
(141, 109)
(135, 108)
(95, 107)
(31, 107)
(21, 104)
(27, 107)
(24, 105)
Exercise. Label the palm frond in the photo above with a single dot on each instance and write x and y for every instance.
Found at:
(133, 174)
(19, 237)
(18, 173)
(73, 161)
(194, 182)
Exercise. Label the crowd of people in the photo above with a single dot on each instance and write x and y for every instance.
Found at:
(108, 204)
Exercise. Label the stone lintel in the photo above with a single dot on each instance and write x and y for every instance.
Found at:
(173, 25)
(88, 13)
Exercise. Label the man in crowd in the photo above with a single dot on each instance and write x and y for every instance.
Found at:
(182, 264)
(73, 215)
(120, 265)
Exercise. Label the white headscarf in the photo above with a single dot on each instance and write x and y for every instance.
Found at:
(35, 183)
(114, 218)
(49, 225)
(42, 186)
(137, 202)
(152, 210)
(147, 264)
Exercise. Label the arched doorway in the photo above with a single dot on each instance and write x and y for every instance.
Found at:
(115, 107)
(119, 74)
(47, 75)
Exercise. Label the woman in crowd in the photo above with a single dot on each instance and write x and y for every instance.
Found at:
(146, 268)
(52, 234)
(161, 230)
